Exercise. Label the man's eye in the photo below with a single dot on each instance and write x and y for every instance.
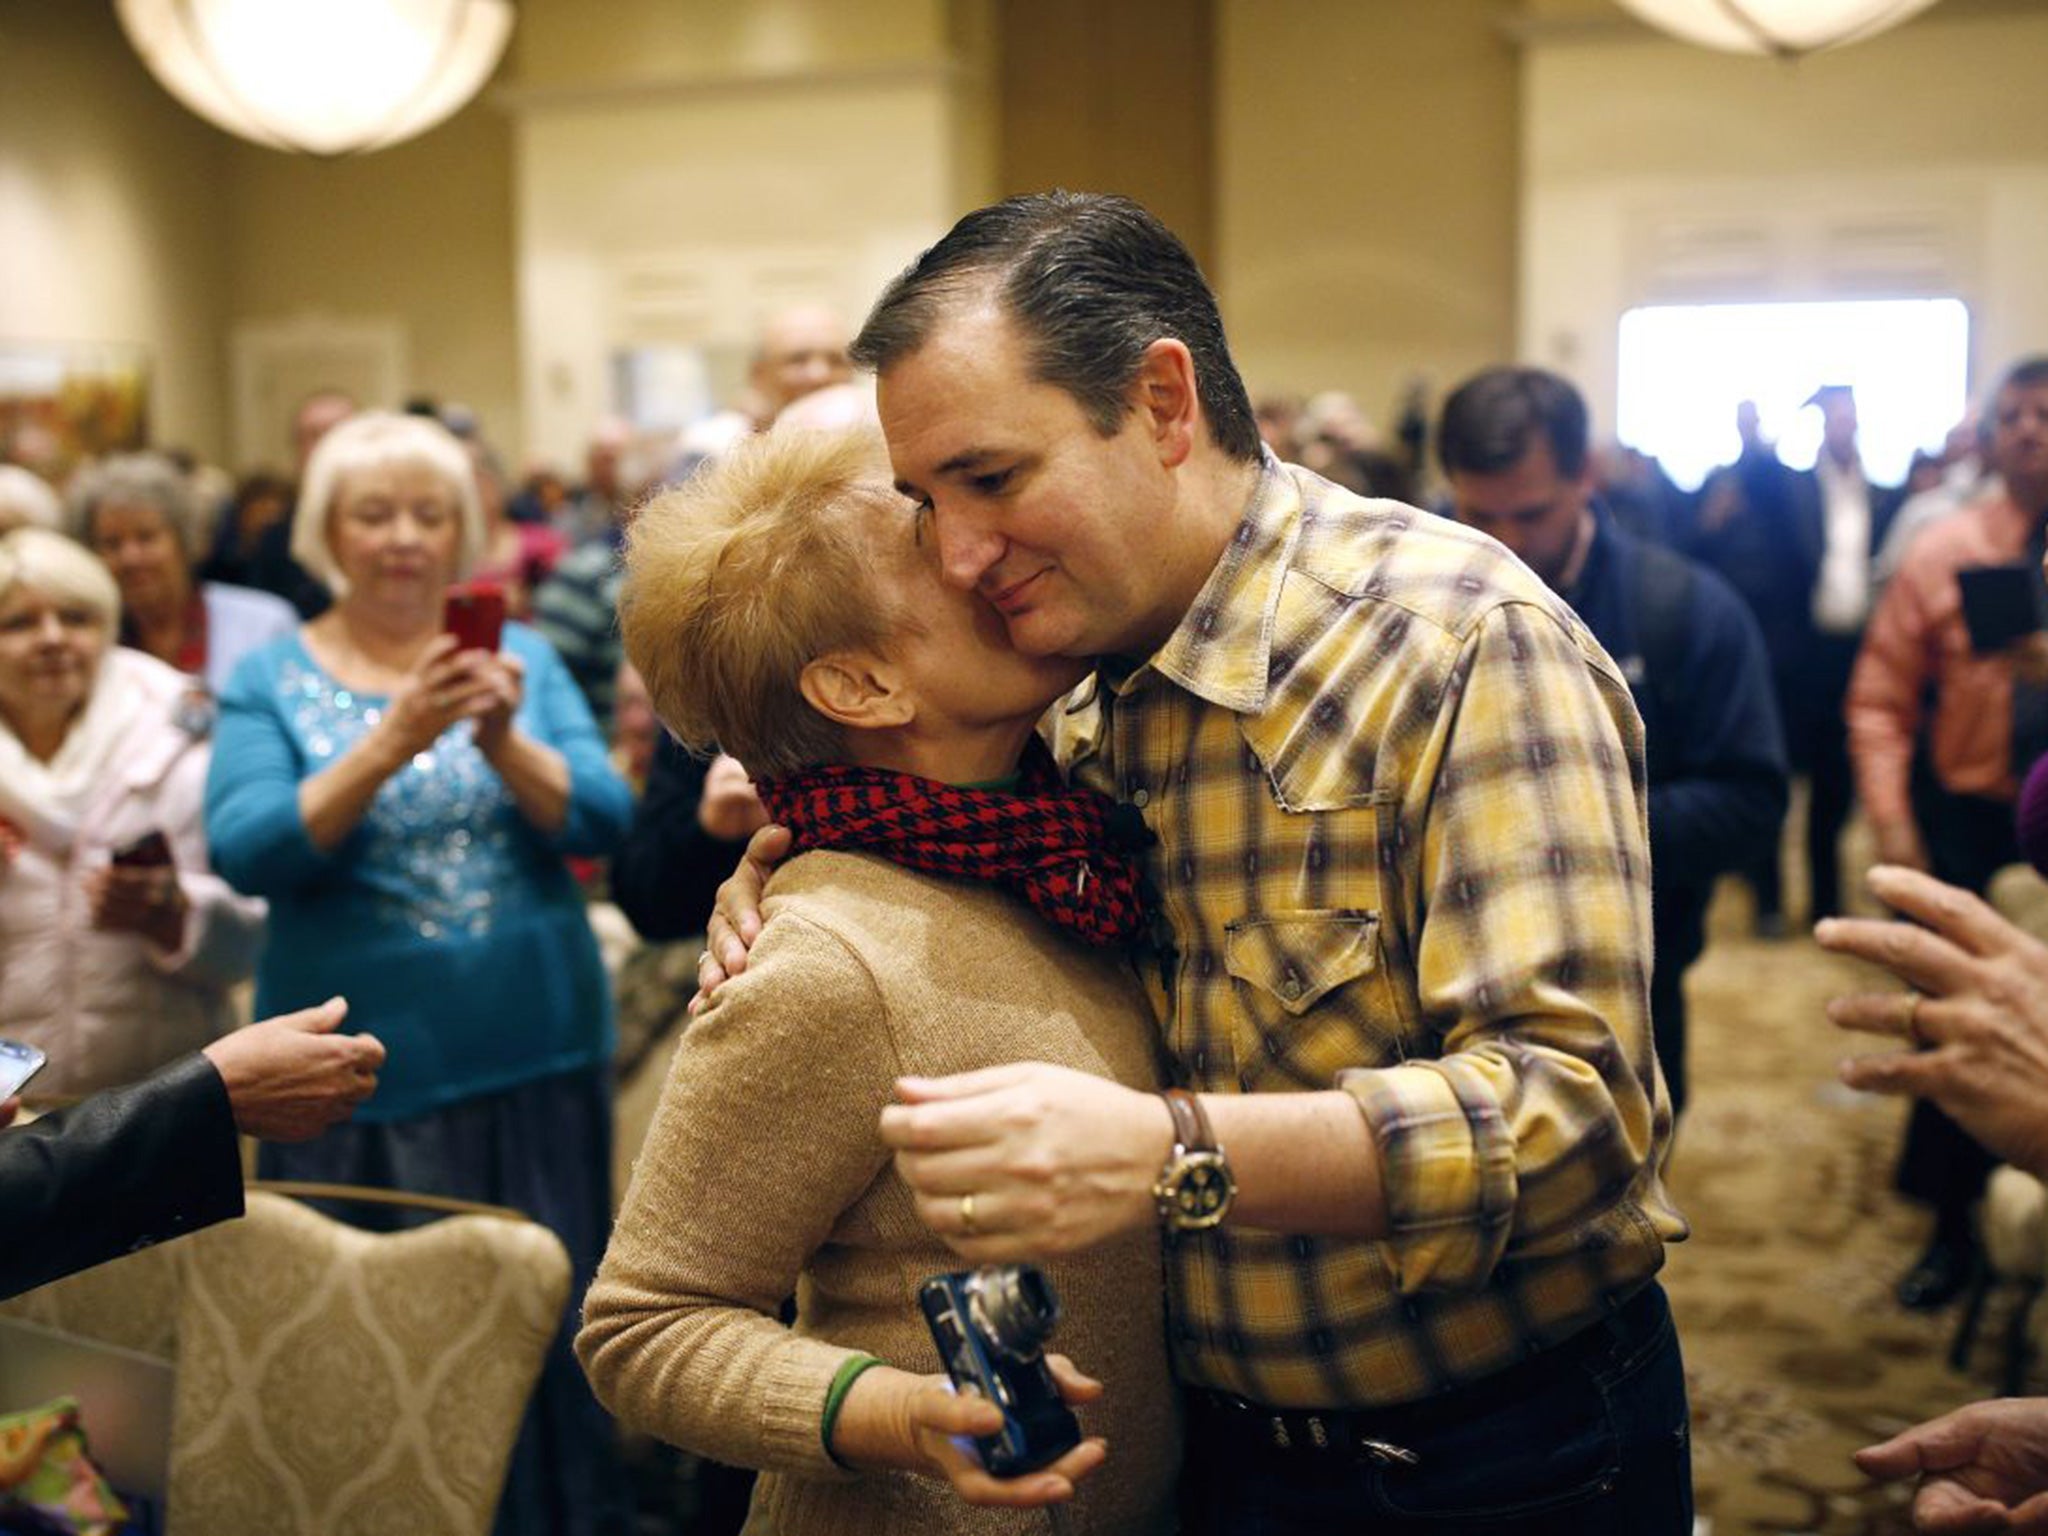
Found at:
(990, 485)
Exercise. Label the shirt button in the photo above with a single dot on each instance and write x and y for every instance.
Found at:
(1141, 798)
(1290, 989)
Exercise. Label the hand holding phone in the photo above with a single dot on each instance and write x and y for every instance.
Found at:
(18, 1063)
(475, 615)
(2001, 604)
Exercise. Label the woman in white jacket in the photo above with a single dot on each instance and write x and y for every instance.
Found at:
(112, 969)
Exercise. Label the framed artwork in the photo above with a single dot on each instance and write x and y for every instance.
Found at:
(62, 402)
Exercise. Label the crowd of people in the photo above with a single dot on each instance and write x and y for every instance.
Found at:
(1133, 836)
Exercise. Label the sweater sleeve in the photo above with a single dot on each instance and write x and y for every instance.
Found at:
(766, 1133)
(600, 804)
(1886, 694)
(224, 930)
(258, 839)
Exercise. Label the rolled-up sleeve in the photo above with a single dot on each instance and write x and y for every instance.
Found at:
(600, 804)
(1532, 958)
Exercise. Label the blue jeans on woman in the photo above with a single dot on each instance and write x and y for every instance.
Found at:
(1591, 1438)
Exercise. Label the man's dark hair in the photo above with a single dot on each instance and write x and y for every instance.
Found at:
(2027, 373)
(1091, 281)
(1490, 419)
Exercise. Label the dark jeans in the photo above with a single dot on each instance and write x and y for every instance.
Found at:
(1591, 1438)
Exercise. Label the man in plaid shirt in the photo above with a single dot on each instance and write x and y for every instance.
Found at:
(1395, 793)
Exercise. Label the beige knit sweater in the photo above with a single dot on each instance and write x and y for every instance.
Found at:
(764, 1175)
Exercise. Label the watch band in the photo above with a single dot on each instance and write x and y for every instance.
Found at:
(1190, 1121)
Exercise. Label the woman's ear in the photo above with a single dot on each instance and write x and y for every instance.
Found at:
(857, 689)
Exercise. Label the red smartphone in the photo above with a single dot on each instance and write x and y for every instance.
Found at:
(152, 850)
(475, 615)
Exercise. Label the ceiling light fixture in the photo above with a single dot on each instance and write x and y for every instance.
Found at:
(323, 77)
(1786, 28)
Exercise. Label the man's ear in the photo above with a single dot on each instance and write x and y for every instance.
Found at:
(857, 689)
(1170, 402)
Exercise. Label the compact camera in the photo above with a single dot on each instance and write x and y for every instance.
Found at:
(991, 1326)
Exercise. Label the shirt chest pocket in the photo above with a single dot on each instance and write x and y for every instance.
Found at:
(1308, 993)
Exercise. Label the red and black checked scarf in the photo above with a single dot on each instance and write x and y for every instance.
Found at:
(1052, 845)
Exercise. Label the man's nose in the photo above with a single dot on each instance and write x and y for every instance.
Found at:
(966, 550)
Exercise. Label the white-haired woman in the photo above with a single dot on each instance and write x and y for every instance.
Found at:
(117, 946)
(26, 500)
(139, 513)
(407, 807)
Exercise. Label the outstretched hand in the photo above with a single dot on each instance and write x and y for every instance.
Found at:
(1979, 1001)
(291, 1077)
(1982, 1468)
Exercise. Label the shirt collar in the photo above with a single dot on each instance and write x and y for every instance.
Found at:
(1220, 650)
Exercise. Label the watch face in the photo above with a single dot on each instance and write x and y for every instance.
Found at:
(1201, 1192)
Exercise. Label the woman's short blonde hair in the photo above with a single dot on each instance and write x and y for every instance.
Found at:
(59, 568)
(26, 500)
(141, 479)
(379, 440)
(759, 564)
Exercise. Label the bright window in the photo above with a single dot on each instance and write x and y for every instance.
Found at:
(1685, 368)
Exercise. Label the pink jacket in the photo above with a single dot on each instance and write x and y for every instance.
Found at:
(110, 1007)
(1917, 637)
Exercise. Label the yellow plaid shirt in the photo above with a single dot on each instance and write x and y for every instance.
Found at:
(1398, 793)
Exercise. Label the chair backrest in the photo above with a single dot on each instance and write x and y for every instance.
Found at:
(331, 1380)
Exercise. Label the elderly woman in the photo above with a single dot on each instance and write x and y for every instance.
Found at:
(778, 604)
(138, 513)
(114, 963)
(26, 500)
(407, 808)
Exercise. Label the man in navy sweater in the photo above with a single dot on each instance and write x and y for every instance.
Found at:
(1514, 445)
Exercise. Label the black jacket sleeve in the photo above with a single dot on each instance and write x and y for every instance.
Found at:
(125, 1169)
(665, 876)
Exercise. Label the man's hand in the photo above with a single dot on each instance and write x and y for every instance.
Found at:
(291, 1077)
(1981, 1468)
(1980, 1000)
(736, 918)
(1028, 1160)
(729, 809)
(894, 1419)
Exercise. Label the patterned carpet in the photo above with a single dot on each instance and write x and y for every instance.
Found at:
(1796, 1352)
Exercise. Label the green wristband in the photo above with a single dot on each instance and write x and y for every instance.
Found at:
(835, 1397)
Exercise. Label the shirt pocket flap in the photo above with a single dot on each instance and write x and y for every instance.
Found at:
(1299, 957)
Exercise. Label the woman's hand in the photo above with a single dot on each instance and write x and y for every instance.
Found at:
(147, 900)
(445, 685)
(504, 678)
(892, 1418)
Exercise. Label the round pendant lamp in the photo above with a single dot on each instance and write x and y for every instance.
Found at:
(323, 77)
(1783, 27)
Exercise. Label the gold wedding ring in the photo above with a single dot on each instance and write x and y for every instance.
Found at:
(967, 1215)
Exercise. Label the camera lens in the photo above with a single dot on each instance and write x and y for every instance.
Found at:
(1016, 1306)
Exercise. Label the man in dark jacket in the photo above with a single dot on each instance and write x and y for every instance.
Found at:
(1514, 445)
(137, 1165)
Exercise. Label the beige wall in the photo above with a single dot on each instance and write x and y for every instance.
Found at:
(113, 210)
(701, 164)
(1113, 98)
(419, 235)
(1366, 191)
(1914, 163)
